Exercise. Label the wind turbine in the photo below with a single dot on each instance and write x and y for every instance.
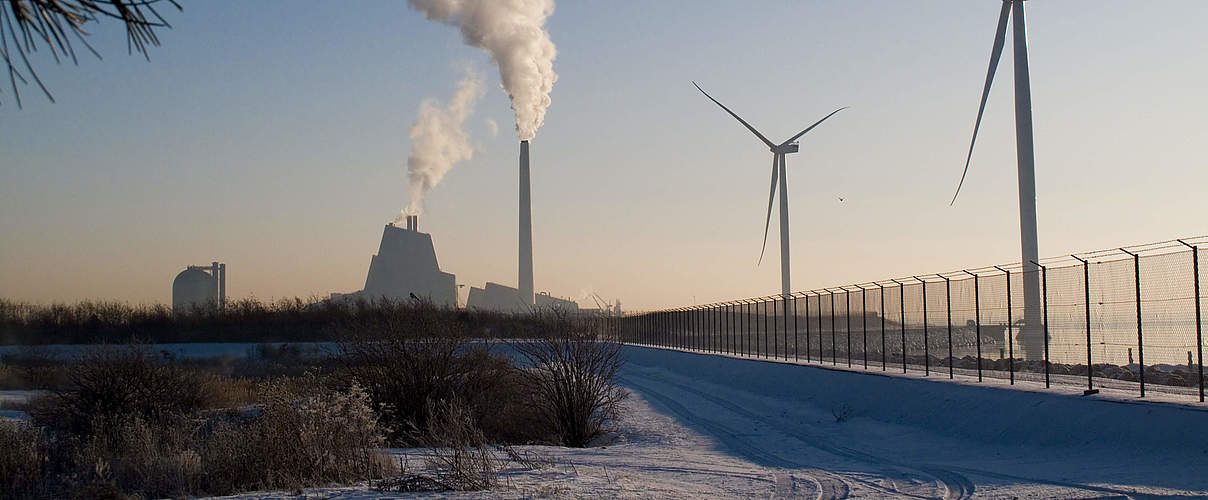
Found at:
(778, 172)
(1031, 338)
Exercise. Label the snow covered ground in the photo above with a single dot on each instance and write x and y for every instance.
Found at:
(702, 426)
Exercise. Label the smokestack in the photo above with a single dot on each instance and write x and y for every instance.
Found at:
(413, 223)
(222, 285)
(525, 281)
(217, 283)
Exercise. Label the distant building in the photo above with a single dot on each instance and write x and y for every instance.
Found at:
(405, 266)
(196, 288)
(496, 297)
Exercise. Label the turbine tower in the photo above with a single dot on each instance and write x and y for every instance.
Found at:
(1031, 338)
(779, 175)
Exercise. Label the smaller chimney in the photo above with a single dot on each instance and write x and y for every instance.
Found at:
(413, 223)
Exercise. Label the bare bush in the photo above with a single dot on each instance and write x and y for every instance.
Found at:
(458, 457)
(423, 355)
(571, 375)
(107, 382)
(132, 425)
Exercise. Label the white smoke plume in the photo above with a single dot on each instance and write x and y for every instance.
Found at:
(513, 33)
(438, 140)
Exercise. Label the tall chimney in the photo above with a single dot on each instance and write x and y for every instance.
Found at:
(222, 285)
(217, 289)
(524, 282)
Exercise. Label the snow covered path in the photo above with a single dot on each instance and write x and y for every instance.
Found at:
(896, 439)
(712, 427)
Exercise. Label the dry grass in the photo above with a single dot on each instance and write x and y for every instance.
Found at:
(23, 460)
(129, 424)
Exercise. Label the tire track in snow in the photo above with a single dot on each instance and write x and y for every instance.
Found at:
(830, 486)
(827, 490)
(956, 486)
(956, 483)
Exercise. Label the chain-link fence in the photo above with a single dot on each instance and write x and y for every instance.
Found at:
(1127, 318)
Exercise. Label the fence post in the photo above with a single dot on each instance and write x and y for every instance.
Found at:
(807, 327)
(834, 345)
(884, 362)
(784, 309)
(1086, 289)
(977, 317)
(775, 331)
(926, 346)
(1044, 292)
(698, 328)
(1010, 338)
(1140, 337)
(847, 312)
(821, 331)
(948, 302)
(864, 323)
(769, 317)
(796, 335)
(723, 329)
(750, 307)
(821, 356)
(1199, 337)
(714, 327)
(762, 307)
(681, 333)
(902, 318)
(657, 325)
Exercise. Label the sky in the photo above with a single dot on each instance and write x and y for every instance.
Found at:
(273, 136)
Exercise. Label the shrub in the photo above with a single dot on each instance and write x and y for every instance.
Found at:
(111, 382)
(423, 356)
(304, 435)
(131, 424)
(458, 457)
(149, 459)
(23, 459)
(571, 376)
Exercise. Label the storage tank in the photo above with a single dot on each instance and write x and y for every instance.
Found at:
(193, 288)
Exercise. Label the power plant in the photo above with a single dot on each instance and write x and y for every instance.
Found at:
(196, 288)
(405, 267)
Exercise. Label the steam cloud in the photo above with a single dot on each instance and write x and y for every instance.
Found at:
(513, 33)
(438, 140)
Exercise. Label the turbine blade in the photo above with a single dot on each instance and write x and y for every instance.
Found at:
(811, 127)
(736, 117)
(995, 54)
(771, 195)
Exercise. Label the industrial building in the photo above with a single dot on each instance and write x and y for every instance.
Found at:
(196, 288)
(405, 267)
(496, 297)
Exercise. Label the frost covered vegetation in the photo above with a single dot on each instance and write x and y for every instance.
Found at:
(120, 421)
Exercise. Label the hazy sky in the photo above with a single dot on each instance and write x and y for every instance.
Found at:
(272, 136)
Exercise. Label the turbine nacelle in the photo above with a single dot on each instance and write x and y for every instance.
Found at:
(786, 148)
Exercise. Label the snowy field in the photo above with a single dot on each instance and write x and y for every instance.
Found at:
(714, 427)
